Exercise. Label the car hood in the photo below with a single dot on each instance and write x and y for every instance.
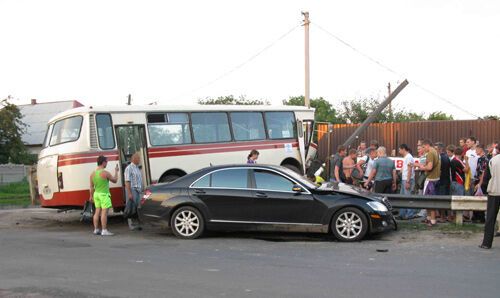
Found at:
(351, 190)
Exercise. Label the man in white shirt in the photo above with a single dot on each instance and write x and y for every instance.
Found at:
(471, 158)
(407, 179)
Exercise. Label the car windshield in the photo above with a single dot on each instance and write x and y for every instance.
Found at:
(299, 178)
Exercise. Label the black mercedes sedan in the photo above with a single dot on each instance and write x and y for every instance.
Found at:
(262, 198)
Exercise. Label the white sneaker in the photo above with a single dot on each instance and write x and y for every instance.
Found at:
(106, 233)
(97, 232)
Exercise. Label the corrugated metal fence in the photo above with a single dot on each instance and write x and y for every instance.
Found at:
(391, 135)
(10, 173)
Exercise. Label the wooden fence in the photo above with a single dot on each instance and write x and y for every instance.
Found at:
(391, 135)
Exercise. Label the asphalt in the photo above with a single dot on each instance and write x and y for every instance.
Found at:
(46, 254)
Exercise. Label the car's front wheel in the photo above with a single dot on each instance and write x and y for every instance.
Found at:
(187, 223)
(349, 224)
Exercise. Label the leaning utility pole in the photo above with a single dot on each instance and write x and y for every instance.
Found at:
(374, 114)
(306, 23)
(390, 104)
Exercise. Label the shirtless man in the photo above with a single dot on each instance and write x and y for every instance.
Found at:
(349, 163)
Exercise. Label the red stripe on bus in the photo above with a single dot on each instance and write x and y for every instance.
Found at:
(179, 152)
(78, 161)
(79, 197)
(82, 158)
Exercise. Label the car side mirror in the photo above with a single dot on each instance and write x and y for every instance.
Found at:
(297, 188)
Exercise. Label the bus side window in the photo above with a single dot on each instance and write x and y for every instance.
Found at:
(105, 131)
(281, 125)
(210, 127)
(169, 129)
(248, 126)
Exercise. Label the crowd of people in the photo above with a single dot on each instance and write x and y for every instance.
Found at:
(436, 169)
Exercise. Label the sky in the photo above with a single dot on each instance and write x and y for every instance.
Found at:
(177, 52)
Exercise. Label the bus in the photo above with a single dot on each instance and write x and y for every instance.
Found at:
(172, 142)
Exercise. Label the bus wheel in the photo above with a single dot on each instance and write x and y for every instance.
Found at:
(187, 223)
(169, 178)
(292, 167)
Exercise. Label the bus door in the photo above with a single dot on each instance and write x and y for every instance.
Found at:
(132, 139)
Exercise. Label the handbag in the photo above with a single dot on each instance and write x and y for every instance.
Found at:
(130, 209)
(87, 212)
(420, 182)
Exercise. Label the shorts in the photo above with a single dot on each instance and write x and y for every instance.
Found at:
(430, 187)
(102, 200)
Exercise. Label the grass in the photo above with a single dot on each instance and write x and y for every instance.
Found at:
(17, 193)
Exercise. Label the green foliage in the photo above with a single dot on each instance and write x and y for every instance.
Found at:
(231, 100)
(491, 117)
(439, 116)
(12, 149)
(15, 188)
(325, 112)
(17, 193)
(404, 116)
(357, 111)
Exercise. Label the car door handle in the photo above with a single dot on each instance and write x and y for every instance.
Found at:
(199, 191)
(260, 195)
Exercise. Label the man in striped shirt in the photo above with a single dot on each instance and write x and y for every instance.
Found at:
(133, 186)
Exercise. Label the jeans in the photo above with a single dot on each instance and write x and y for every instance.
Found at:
(457, 189)
(136, 196)
(407, 213)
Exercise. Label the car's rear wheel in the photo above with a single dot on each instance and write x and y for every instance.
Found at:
(349, 224)
(187, 223)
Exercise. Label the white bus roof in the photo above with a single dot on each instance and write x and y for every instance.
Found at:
(172, 108)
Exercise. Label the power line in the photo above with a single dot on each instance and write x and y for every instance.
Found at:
(389, 69)
(239, 66)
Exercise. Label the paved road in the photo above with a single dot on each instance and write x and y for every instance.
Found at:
(55, 256)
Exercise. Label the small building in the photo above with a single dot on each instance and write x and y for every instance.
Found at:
(36, 115)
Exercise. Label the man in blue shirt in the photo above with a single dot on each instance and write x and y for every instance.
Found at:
(384, 172)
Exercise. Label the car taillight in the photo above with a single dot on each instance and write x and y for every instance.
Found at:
(147, 194)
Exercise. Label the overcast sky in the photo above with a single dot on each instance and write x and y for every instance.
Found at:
(176, 52)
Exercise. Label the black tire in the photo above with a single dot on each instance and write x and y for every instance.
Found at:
(169, 178)
(187, 223)
(293, 168)
(345, 224)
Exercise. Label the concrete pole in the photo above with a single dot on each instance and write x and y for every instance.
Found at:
(307, 102)
(374, 114)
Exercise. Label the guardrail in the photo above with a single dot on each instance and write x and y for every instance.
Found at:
(454, 203)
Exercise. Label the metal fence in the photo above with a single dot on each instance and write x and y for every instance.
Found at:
(10, 173)
(391, 135)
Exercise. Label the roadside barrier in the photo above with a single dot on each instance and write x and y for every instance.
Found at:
(459, 204)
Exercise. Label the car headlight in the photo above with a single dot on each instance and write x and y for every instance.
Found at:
(377, 206)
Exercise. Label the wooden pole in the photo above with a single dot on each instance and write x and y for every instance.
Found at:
(307, 102)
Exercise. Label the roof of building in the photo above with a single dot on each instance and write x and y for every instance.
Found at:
(37, 115)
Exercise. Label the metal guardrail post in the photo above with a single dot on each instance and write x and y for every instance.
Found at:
(459, 204)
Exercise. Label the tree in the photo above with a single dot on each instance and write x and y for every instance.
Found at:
(12, 148)
(325, 112)
(404, 116)
(231, 100)
(357, 111)
(439, 116)
(491, 117)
